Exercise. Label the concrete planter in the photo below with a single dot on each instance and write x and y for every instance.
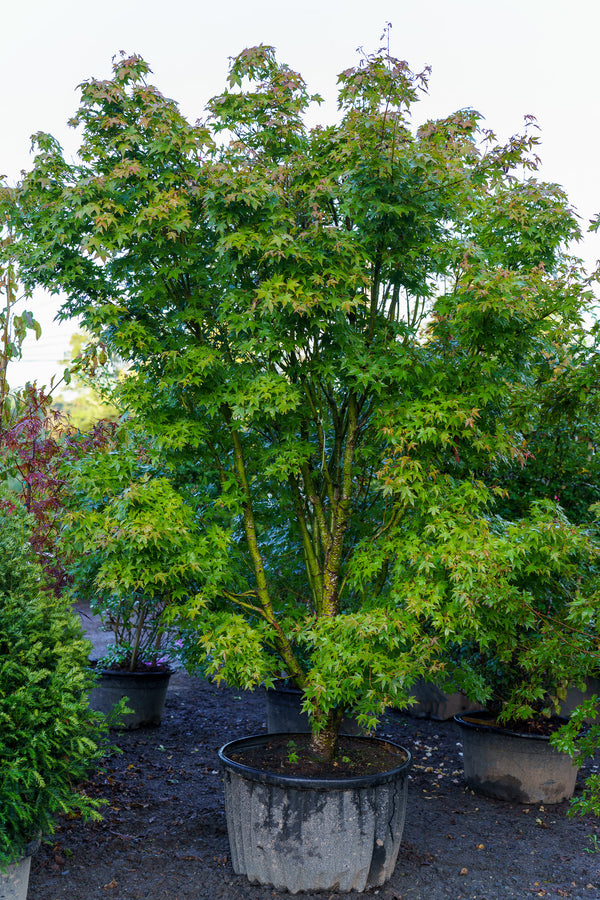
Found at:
(15, 881)
(507, 765)
(313, 834)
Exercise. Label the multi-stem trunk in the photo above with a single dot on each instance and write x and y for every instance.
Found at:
(281, 640)
(326, 725)
(136, 641)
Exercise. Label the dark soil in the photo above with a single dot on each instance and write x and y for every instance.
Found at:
(539, 727)
(292, 756)
(164, 835)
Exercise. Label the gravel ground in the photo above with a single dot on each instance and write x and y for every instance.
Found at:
(164, 837)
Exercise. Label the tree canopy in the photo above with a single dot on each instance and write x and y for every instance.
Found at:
(340, 334)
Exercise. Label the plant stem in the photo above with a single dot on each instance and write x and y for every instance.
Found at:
(282, 642)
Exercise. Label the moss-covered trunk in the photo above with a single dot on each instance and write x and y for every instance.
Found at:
(324, 738)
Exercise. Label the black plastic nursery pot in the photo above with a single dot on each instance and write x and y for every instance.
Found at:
(284, 712)
(144, 693)
(510, 765)
(575, 697)
(433, 702)
(314, 834)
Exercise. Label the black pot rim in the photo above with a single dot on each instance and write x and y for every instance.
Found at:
(305, 783)
(158, 672)
(497, 729)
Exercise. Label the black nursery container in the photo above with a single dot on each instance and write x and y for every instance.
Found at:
(284, 712)
(314, 834)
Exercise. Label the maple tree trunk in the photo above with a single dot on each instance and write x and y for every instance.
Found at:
(323, 742)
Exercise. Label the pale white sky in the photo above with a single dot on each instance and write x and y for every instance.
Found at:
(506, 58)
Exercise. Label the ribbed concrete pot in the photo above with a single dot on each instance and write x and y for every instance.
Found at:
(145, 694)
(15, 881)
(284, 713)
(507, 765)
(313, 834)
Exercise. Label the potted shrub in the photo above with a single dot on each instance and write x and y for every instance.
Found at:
(530, 642)
(537, 637)
(128, 538)
(331, 334)
(531, 600)
(50, 739)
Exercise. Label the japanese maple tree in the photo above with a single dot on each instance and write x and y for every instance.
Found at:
(336, 332)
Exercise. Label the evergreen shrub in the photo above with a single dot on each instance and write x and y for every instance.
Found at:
(49, 737)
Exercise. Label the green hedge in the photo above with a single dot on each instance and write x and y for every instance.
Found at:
(49, 738)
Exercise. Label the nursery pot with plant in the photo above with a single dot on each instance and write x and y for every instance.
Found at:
(316, 825)
(523, 663)
(50, 740)
(128, 536)
(330, 334)
(517, 765)
(535, 631)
